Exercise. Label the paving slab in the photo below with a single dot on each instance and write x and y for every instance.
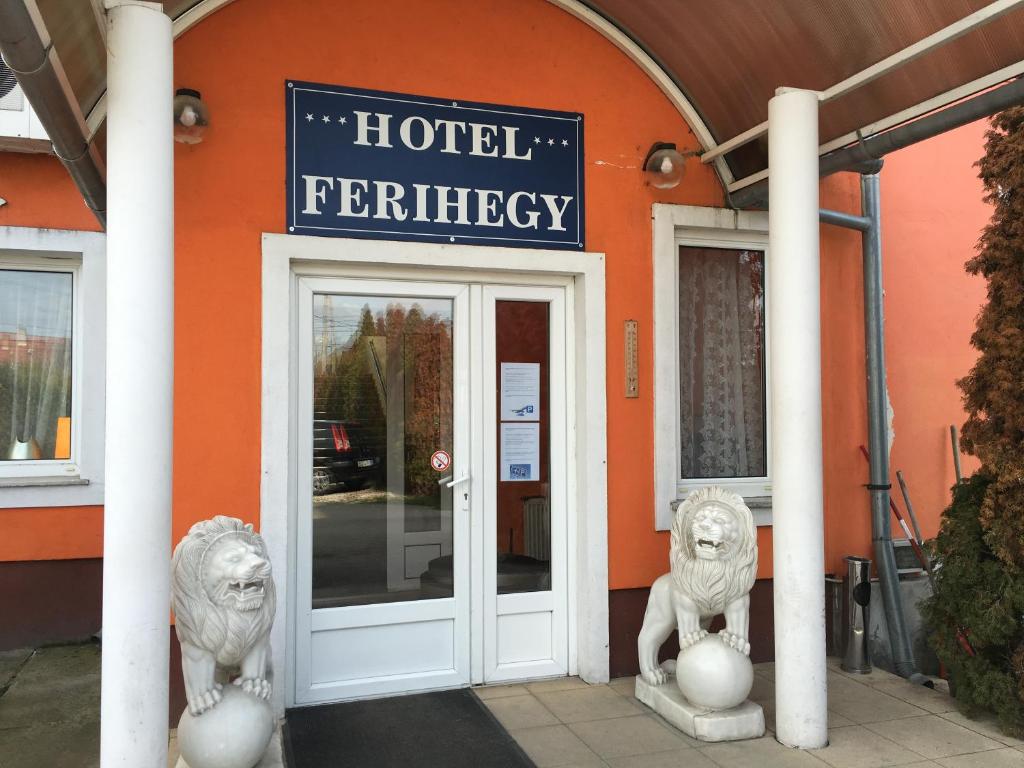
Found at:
(934, 737)
(555, 745)
(50, 710)
(624, 736)
(857, 747)
(10, 663)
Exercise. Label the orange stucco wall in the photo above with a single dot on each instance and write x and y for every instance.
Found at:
(536, 56)
(39, 193)
(230, 188)
(934, 214)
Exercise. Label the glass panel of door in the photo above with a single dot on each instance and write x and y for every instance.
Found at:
(382, 407)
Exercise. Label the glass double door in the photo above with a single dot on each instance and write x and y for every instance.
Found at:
(432, 486)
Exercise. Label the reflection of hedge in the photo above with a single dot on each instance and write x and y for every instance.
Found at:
(345, 388)
(46, 433)
(980, 586)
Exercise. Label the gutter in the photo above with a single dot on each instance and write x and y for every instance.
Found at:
(874, 148)
(29, 53)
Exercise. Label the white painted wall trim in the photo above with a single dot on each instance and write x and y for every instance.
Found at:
(285, 258)
(720, 227)
(80, 482)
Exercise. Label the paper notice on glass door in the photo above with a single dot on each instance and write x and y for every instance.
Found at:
(520, 392)
(520, 452)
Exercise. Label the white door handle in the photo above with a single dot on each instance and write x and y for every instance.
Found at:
(453, 483)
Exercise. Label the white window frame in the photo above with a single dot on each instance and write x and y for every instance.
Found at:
(685, 225)
(77, 480)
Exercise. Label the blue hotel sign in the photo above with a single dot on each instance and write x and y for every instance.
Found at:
(398, 167)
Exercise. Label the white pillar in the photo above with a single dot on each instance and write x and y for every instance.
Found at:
(797, 521)
(140, 367)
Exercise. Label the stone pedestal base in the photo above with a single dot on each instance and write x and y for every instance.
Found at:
(743, 722)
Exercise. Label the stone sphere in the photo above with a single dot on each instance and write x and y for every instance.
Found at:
(712, 675)
(234, 734)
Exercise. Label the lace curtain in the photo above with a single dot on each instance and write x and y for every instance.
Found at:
(721, 363)
(35, 364)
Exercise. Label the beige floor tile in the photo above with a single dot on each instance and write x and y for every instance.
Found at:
(762, 690)
(876, 675)
(995, 758)
(768, 707)
(622, 736)
(863, 704)
(520, 712)
(765, 669)
(486, 692)
(836, 720)
(555, 745)
(592, 703)
(686, 758)
(933, 736)
(986, 726)
(558, 684)
(925, 698)
(624, 685)
(759, 753)
(857, 747)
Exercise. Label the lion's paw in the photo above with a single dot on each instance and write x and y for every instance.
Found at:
(656, 676)
(692, 638)
(735, 641)
(258, 687)
(204, 701)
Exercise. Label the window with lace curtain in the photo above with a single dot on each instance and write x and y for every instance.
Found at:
(35, 365)
(52, 367)
(712, 371)
(722, 405)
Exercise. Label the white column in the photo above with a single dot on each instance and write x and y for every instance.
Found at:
(797, 524)
(140, 367)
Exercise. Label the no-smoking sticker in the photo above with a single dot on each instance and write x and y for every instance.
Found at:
(440, 461)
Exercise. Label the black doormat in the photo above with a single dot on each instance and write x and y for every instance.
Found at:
(448, 729)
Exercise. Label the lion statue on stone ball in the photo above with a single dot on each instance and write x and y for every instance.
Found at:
(224, 603)
(713, 557)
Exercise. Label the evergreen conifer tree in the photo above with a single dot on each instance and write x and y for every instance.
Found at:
(979, 552)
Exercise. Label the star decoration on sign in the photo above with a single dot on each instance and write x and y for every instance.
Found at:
(565, 142)
(341, 120)
(309, 117)
(326, 119)
(536, 139)
(551, 142)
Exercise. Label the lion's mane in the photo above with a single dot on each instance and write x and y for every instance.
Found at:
(713, 584)
(227, 633)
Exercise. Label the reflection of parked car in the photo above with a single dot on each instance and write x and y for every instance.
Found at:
(343, 455)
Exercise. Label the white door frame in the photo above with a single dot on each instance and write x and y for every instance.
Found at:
(438, 615)
(522, 631)
(286, 258)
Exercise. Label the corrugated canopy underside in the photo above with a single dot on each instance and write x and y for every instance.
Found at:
(727, 56)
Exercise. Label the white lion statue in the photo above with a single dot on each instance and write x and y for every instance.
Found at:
(224, 603)
(713, 558)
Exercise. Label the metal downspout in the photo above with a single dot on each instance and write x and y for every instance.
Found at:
(29, 53)
(878, 432)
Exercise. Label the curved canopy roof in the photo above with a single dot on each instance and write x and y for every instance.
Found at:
(875, 63)
(728, 57)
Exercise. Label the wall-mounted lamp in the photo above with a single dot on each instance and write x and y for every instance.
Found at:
(664, 165)
(191, 117)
